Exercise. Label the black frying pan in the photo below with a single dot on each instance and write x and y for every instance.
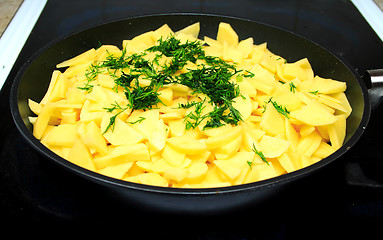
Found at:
(33, 79)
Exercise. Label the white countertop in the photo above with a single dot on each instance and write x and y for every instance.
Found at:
(16, 33)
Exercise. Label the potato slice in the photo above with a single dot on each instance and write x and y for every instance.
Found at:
(163, 32)
(123, 154)
(287, 163)
(187, 144)
(244, 105)
(260, 172)
(272, 122)
(62, 135)
(79, 59)
(313, 114)
(116, 171)
(309, 144)
(263, 80)
(43, 120)
(94, 139)
(227, 135)
(117, 134)
(273, 147)
(149, 179)
(227, 34)
(192, 30)
(80, 155)
(337, 131)
(172, 156)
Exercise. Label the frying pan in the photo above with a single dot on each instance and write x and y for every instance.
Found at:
(33, 78)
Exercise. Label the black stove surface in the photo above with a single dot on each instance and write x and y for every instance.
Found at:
(345, 199)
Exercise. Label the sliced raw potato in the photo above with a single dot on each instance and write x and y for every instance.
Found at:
(323, 85)
(337, 131)
(272, 122)
(309, 144)
(80, 59)
(227, 34)
(290, 119)
(116, 171)
(263, 80)
(120, 133)
(187, 144)
(243, 105)
(192, 30)
(313, 114)
(42, 120)
(123, 154)
(273, 147)
(260, 172)
(80, 155)
(63, 135)
(223, 137)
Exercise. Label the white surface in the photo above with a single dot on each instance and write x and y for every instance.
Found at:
(372, 13)
(16, 34)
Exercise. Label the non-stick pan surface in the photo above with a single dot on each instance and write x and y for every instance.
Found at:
(33, 79)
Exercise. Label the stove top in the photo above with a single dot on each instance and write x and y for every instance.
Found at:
(345, 198)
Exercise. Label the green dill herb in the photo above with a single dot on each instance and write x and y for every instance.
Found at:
(212, 79)
(214, 82)
(180, 53)
(260, 154)
(187, 105)
(112, 120)
(282, 110)
(314, 92)
(250, 163)
(248, 74)
(143, 97)
(140, 119)
(194, 118)
(293, 88)
(91, 73)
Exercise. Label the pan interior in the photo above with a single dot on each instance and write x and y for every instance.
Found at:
(33, 79)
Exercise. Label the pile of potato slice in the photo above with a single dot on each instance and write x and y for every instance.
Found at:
(153, 146)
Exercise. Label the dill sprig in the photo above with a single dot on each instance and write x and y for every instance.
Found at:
(140, 119)
(112, 120)
(91, 73)
(143, 97)
(194, 118)
(293, 88)
(281, 109)
(260, 154)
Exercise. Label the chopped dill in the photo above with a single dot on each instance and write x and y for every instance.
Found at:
(140, 119)
(143, 97)
(282, 110)
(91, 73)
(211, 79)
(293, 88)
(250, 163)
(194, 118)
(260, 154)
(115, 106)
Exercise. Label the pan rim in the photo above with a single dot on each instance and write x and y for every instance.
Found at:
(99, 178)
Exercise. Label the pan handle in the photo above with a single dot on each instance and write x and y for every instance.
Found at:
(375, 77)
(356, 175)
